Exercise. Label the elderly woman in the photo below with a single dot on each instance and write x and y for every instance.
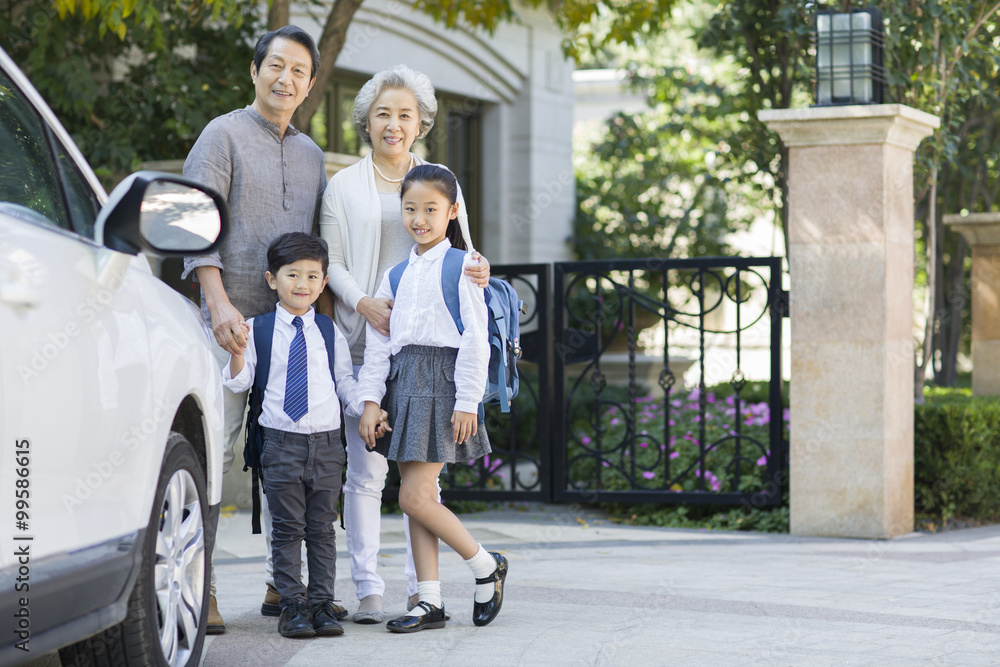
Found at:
(361, 220)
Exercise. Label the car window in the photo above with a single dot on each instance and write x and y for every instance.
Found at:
(29, 180)
(83, 203)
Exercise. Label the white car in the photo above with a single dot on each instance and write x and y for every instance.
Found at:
(110, 404)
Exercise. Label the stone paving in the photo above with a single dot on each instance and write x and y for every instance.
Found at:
(583, 590)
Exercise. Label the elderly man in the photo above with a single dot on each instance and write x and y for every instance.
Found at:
(273, 178)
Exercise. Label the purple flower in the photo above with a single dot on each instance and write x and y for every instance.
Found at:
(585, 440)
(762, 461)
(649, 475)
(615, 421)
(643, 444)
(672, 422)
(674, 455)
(785, 415)
(710, 397)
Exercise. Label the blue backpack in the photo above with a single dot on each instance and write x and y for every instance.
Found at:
(502, 325)
(263, 334)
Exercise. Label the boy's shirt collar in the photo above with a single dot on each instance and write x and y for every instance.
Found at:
(436, 252)
(287, 317)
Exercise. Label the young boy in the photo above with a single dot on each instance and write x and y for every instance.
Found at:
(302, 456)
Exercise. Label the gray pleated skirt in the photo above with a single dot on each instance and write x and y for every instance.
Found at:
(420, 399)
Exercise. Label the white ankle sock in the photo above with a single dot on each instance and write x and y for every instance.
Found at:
(482, 565)
(429, 592)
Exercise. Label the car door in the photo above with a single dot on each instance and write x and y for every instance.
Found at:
(74, 353)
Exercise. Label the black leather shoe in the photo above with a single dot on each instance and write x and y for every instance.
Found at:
(324, 621)
(433, 617)
(484, 612)
(295, 621)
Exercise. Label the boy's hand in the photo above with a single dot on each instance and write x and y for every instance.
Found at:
(371, 419)
(465, 425)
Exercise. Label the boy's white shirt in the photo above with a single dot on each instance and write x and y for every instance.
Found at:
(324, 408)
(420, 317)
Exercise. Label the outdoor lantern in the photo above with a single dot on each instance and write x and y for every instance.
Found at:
(849, 57)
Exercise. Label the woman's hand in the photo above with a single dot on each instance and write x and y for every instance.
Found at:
(465, 425)
(377, 312)
(480, 273)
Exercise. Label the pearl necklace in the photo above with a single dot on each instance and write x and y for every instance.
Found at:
(392, 180)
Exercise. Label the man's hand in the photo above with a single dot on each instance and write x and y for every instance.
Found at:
(377, 312)
(465, 425)
(480, 273)
(229, 328)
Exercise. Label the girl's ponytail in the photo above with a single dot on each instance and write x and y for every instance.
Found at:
(443, 180)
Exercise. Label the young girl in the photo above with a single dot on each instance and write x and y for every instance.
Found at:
(433, 378)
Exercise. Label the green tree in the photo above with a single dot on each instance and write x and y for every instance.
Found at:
(661, 182)
(146, 96)
(942, 57)
(157, 70)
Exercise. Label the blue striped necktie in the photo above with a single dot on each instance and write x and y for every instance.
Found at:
(297, 378)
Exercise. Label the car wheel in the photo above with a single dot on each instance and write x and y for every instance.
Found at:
(167, 610)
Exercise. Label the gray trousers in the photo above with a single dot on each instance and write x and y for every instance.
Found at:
(302, 479)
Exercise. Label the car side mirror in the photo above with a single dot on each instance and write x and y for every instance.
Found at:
(163, 214)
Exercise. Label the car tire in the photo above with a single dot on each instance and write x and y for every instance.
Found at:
(168, 608)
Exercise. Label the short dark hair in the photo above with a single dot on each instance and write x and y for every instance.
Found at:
(294, 246)
(444, 181)
(292, 32)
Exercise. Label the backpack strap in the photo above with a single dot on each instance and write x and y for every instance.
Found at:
(263, 334)
(326, 328)
(396, 274)
(451, 274)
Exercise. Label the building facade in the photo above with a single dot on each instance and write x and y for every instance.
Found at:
(504, 124)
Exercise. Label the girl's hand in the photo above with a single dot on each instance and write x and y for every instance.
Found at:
(480, 273)
(370, 420)
(377, 312)
(383, 425)
(465, 425)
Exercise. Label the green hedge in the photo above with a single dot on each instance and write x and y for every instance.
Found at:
(957, 455)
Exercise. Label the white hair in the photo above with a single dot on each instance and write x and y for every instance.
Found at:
(403, 78)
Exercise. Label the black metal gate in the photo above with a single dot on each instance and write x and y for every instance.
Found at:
(628, 429)
(602, 413)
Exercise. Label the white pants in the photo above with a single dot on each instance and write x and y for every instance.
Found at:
(366, 473)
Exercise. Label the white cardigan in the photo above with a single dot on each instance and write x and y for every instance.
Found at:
(350, 221)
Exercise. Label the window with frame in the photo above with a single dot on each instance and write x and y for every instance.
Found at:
(29, 178)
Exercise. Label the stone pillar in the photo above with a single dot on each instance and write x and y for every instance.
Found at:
(982, 232)
(850, 205)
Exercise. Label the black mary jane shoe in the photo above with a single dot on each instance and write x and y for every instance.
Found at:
(433, 617)
(484, 612)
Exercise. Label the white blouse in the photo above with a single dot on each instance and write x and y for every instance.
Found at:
(420, 317)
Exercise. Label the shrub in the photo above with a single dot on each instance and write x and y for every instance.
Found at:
(606, 453)
(957, 455)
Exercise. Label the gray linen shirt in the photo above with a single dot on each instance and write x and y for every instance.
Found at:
(271, 186)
